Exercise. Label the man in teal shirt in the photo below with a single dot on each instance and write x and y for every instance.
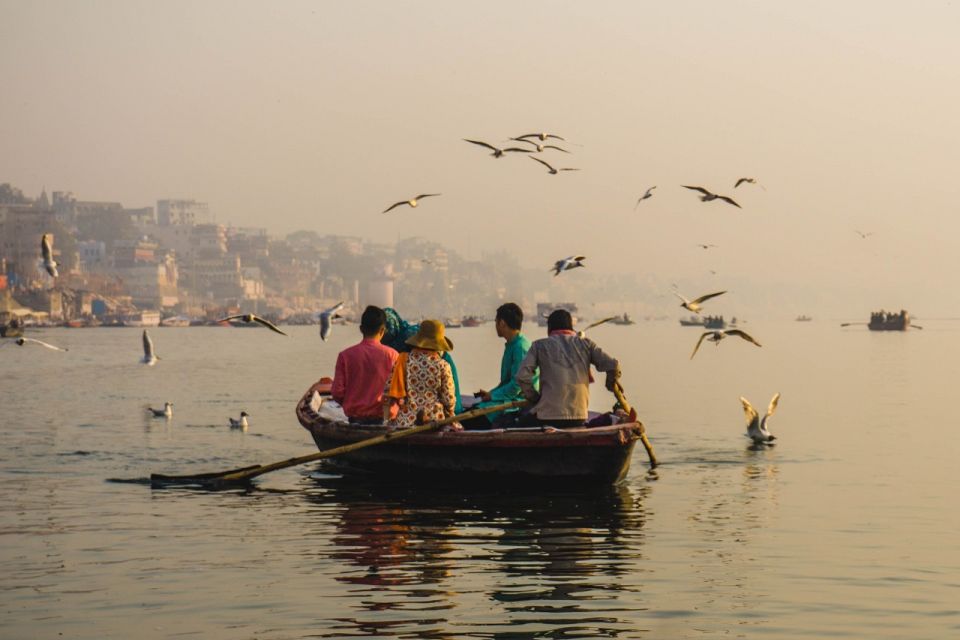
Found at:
(508, 322)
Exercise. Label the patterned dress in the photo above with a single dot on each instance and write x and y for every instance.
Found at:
(422, 381)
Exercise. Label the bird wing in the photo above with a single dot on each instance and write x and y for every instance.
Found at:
(600, 322)
(552, 146)
(706, 297)
(773, 404)
(394, 206)
(649, 192)
(147, 344)
(333, 309)
(685, 301)
(227, 319)
(546, 164)
(699, 342)
(44, 344)
(45, 248)
(426, 195)
(525, 140)
(730, 201)
(516, 149)
(742, 334)
(482, 144)
(550, 135)
(268, 324)
(527, 135)
(700, 189)
(749, 411)
(568, 169)
(577, 258)
(740, 182)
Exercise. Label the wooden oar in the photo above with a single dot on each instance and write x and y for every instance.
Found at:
(245, 474)
(618, 391)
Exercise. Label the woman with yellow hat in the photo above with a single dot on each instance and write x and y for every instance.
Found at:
(421, 382)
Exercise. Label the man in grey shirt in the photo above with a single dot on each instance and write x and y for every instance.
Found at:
(564, 360)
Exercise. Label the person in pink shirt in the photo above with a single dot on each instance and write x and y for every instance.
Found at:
(363, 369)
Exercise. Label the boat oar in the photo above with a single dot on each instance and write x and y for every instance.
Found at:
(618, 391)
(245, 474)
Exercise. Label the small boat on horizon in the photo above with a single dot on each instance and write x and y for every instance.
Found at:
(803, 318)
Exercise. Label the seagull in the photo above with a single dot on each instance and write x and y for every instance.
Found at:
(249, 317)
(24, 341)
(707, 246)
(566, 264)
(325, 317)
(241, 423)
(538, 146)
(552, 171)
(541, 136)
(757, 428)
(413, 202)
(863, 236)
(149, 358)
(48, 262)
(694, 305)
(749, 181)
(708, 196)
(648, 193)
(166, 412)
(717, 336)
(497, 152)
(583, 331)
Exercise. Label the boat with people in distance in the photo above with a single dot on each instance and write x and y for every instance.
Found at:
(889, 321)
(597, 455)
(707, 322)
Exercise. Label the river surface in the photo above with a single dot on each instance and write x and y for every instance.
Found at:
(848, 527)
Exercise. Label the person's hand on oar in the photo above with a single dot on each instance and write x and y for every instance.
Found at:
(622, 401)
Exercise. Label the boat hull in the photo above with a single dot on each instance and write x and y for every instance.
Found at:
(599, 455)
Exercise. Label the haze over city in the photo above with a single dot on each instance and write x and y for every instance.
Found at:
(318, 115)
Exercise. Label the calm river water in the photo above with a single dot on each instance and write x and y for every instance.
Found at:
(847, 528)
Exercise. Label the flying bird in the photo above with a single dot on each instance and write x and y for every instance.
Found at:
(47, 251)
(166, 412)
(497, 152)
(863, 236)
(540, 136)
(413, 202)
(717, 336)
(708, 196)
(757, 427)
(566, 264)
(695, 304)
(707, 246)
(552, 171)
(325, 318)
(749, 181)
(249, 317)
(20, 342)
(539, 147)
(647, 194)
(240, 423)
(583, 331)
(149, 358)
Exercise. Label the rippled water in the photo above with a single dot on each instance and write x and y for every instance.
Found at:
(848, 527)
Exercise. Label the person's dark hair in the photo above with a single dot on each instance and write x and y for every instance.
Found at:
(372, 320)
(559, 319)
(511, 314)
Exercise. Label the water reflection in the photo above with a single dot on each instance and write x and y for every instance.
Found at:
(492, 562)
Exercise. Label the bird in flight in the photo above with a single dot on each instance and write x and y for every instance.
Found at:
(647, 194)
(566, 264)
(166, 412)
(552, 171)
(707, 246)
(694, 305)
(47, 252)
(149, 357)
(543, 137)
(717, 336)
(583, 331)
(249, 317)
(863, 236)
(749, 181)
(413, 202)
(20, 342)
(757, 427)
(539, 147)
(240, 423)
(325, 317)
(707, 196)
(497, 152)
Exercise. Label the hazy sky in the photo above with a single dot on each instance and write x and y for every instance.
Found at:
(318, 115)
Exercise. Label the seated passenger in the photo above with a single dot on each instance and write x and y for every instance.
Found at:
(422, 382)
(564, 361)
(508, 322)
(362, 371)
(398, 330)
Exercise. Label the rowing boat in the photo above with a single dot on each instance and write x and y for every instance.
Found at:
(584, 454)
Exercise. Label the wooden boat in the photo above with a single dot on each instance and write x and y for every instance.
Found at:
(585, 454)
(889, 321)
(707, 322)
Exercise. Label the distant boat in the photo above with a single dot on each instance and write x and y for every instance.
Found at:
(472, 321)
(707, 322)
(624, 319)
(452, 323)
(889, 321)
(175, 321)
(803, 318)
(141, 319)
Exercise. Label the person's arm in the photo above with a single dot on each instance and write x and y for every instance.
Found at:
(448, 390)
(509, 390)
(604, 363)
(338, 389)
(526, 372)
(458, 407)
